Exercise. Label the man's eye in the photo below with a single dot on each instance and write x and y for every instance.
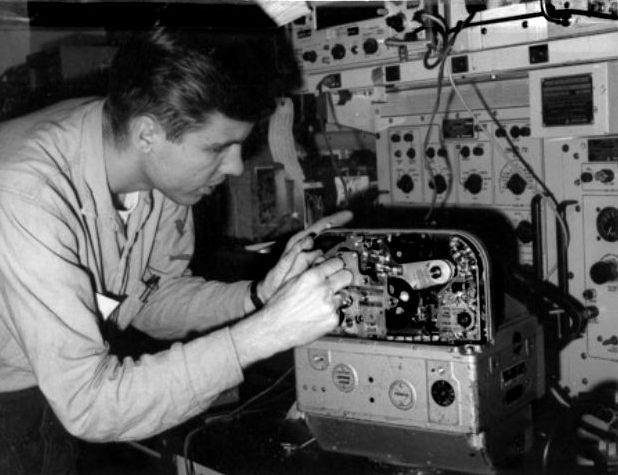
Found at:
(217, 149)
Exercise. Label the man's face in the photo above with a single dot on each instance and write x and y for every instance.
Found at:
(187, 170)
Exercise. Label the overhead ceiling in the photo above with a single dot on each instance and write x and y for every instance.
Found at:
(228, 14)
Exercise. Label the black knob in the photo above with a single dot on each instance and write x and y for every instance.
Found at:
(514, 131)
(411, 153)
(408, 137)
(438, 183)
(430, 152)
(478, 151)
(603, 271)
(605, 176)
(586, 177)
(370, 46)
(500, 132)
(441, 152)
(465, 151)
(524, 232)
(474, 183)
(395, 138)
(516, 184)
(589, 294)
(405, 183)
(464, 319)
(310, 56)
(524, 131)
(338, 51)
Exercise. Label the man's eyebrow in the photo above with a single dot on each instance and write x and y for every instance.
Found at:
(222, 144)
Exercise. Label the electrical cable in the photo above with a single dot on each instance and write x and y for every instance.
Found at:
(577, 314)
(536, 182)
(546, 193)
(211, 418)
(443, 56)
(563, 15)
(558, 20)
(262, 393)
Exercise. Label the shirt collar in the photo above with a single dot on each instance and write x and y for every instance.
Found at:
(96, 195)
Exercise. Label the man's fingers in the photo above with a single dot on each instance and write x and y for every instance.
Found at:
(340, 279)
(329, 267)
(331, 221)
(301, 238)
(302, 262)
(334, 220)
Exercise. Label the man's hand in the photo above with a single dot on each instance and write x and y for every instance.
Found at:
(298, 255)
(303, 309)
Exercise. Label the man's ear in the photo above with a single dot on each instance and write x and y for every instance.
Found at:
(146, 133)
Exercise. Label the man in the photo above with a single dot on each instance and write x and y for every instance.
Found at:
(95, 225)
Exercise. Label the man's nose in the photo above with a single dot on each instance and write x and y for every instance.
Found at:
(232, 163)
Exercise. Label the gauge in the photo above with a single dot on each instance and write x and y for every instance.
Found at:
(401, 394)
(443, 392)
(344, 377)
(607, 223)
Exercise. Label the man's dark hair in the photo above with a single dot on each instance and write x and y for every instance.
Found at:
(181, 76)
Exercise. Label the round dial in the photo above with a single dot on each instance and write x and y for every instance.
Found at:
(344, 377)
(443, 392)
(401, 394)
(607, 223)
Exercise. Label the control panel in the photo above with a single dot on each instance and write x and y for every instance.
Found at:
(515, 116)
(367, 34)
(419, 354)
(466, 161)
(585, 175)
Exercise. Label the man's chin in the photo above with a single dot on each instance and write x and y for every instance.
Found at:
(187, 200)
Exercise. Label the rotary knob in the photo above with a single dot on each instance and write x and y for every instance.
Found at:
(405, 183)
(370, 46)
(524, 231)
(516, 184)
(604, 271)
(310, 56)
(439, 184)
(474, 183)
(586, 177)
(605, 176)
(338, 51)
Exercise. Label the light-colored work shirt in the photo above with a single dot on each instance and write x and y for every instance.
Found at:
(65, 256)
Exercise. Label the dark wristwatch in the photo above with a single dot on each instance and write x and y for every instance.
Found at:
(255, 300)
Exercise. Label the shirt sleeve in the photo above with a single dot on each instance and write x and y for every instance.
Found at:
(183, 303)
(48, 305)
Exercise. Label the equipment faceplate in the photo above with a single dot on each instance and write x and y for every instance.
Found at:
(420, 286)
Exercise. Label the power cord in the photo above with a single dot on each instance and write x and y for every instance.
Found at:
(227, 416)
